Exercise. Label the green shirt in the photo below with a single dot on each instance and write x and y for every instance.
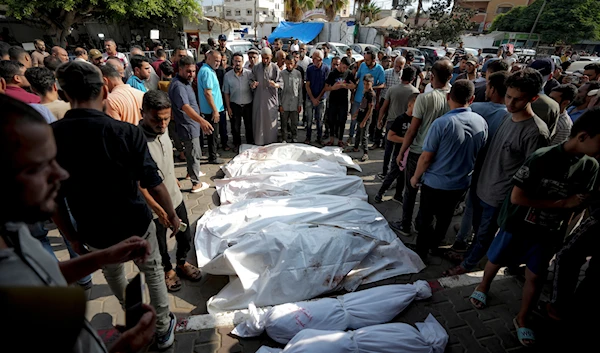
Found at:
(428, 107)
(548, 174)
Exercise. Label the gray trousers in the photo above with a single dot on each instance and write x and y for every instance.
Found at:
(291, 118)
(155, 281)
(193, 152)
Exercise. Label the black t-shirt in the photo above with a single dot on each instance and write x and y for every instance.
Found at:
(400, 127)
(417, 73)
(368, 98)
(105, 159)
(339, 97)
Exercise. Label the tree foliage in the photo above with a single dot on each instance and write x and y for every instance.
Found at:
(332, 7)
(566, 21)
(294, 9)
(369, 10)
(448, 22)
(61, 15)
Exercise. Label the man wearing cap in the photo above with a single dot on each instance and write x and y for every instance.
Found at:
(95, 57)
(223, 48)
(545, 107)
(471, 72)
(489, 67)
(266, 80)
(253, 55)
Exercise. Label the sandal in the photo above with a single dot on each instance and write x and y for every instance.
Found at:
(480, 297)
(542, 310)
(524, 333)
(458, 270)
(341, 144)
(173, 282)
(189, 272)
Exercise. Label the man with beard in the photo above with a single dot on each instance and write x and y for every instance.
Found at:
(238, 100)
(266, 80)
(223, 48)
(210, 99)
(582, 100)
(253, 55)
(40, 53)
(304, 60)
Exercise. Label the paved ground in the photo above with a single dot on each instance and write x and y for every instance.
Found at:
(470, 330)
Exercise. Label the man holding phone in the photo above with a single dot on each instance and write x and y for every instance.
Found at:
(33, 178)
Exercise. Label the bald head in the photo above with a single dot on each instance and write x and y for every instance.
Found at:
(442, 72)
(117, 65)
(60, 53)
(136, 51)
(399, 63)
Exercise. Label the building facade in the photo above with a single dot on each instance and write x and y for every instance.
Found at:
(487, 10)
(246, 12)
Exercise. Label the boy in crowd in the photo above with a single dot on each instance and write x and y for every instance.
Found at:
(290, 99)
(445, 166)
(166, 75)
(563, 95)
(396, 135)
(363, 116)
(548, 186)
(338, 83)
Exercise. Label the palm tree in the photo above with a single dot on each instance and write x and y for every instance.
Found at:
(419, 9)
(369, 10)
(332, 7)
(294, 9)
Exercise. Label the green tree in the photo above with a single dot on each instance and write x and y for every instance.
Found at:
(333, 6)
(60, 15)
(369, 10)
(294, 9)
(566, 21)
(448, 22)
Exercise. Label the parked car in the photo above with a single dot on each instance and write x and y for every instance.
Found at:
(577, 67)
(432, 54)
(361, 48)
(471, 51)
(589, 58)
(241, 46)
(493, 51)
(419, 57)
(339, 49)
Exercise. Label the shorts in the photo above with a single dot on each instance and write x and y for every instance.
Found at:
(508, 249)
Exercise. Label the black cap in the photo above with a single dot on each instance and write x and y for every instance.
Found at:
(222, 37)
(545, 66)
(77, 74)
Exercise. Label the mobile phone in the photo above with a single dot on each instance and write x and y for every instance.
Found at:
(134, 298)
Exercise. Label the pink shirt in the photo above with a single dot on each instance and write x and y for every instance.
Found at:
(21, 94)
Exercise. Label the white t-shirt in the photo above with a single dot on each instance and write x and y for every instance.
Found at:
(294, 47)
(388, 51)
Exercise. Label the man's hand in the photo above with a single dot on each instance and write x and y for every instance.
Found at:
(163, 218)
(315, 102)
(138, 337)
(216, 117)
(175, 222)
(574, 200)
(230, 112)
(363, 124)
(280, 109)
(584, 79)
(400, 161)
(273, 84)
(379, 124)
(414, 182)
(78, 247)
(134, 248)
(299, 109)
(254, 84)
(206, 127)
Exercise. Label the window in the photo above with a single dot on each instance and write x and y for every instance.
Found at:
(272, 13)
(238, 12)
(227, 0)
(276, 6)
(344, 12)
(249, 12)
(264, 12)
(228, 13)
(503, 9)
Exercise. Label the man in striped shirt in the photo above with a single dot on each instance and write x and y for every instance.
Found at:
(563, 95)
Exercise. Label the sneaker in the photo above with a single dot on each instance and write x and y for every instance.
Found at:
(400, 228)
(381, 176)
(364, 158)
(166, 340)
(216, 161)
(378, 198)
(200, 187)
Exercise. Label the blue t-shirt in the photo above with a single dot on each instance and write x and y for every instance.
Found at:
(378, 75)
(316, 77)
(136, 83)
(207, 79)
(576, 115)
(456, 138)
(493, 113)
(327, 60)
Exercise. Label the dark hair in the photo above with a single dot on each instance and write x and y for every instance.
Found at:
(497, 80)
(567, 92)
(156, 100)
(352, 67)
(112, 57)
(186, 61)
(325, 45)
(442, 69)
(565, 65)
(593, 66)
(136, 47)
(52, 62)
(408, 74)
(346, 61)
(464, 57)
(290, 57)
(462, 91)
(41, 79)
(369, 53)
(16, 52)
(295, 52)
(161, 53)
(137, 60)
(593, 85)
(109, 40)
(10, 68)
(110, 71)
(79, 51)
(237, 53)
(166, 68)
(4, 47)
(368, 78)
(410, 56)
(588, 122)
(178, 48)
(80, 81)
(336, 58)
(528, 81)
(497, 66)
(385, 57)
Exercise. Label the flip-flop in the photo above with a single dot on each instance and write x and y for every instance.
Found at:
(193, 273)
(173, 283)
(524, 333)
(479, 296)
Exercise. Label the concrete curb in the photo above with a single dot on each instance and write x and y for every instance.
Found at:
(233, 318)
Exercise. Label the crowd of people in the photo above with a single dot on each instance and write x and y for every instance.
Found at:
(522, 160)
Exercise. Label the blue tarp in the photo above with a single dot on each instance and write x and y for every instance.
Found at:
(305, 32)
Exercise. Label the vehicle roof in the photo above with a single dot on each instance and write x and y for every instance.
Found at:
(332, 43)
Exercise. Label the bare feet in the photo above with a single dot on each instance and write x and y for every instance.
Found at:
(458, 270)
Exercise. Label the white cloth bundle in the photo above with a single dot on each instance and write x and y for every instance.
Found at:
(350, 311)
(430, 337)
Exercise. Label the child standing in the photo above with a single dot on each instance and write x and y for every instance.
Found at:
(290, 100)
(396, 135)
(166, 74)
(363, 117)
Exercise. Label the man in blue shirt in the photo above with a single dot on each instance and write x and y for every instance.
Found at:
(445, 166)
(582, 100)
(210, 98)
(327, 58)
(141, 72)
(316, 74)
(369, 66)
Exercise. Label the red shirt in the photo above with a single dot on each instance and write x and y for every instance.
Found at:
(21, 94)
(156, 67)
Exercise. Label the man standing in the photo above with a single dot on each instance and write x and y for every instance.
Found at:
(388, 48)
(37, 57)
(253, 55)
(315, 91)
(266, 80)
(223, 135)
(290, 101)
(304, 60)
(96, 57)
(545, 107)
(326, 57)
(238, 100)
(459, 69)
(60, 53)
(152, 82)
(491, 66)
(87, 140)
(80, 54)
(178, 53)
(582, 100)
(277, 46)
(188, 121)
(43, 83)
(480, 58)
(111, 50)
(471, 72)
(339, 83)
(223, 48)
(445, 166)
(592, 71)
(460, 51)
(141, 72)
(156, 110)
(392, 78)
(161, 56)
(124, 102)
(280, 57)
(211, 101)
(563, 95)
(428, 107)
(13, 73)
(295, 47)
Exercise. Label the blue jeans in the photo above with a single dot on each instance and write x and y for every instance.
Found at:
(466, 224)
(353, 109)
(316, 113)
(488, 225)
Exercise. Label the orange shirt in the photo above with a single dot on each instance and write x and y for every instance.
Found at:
(125, 103)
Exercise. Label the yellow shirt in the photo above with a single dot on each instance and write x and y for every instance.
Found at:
(125, 103)
(164, 86)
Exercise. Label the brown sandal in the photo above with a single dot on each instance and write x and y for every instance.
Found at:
(173, 282)
(190, 272)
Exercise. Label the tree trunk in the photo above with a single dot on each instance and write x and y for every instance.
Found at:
(419, 8)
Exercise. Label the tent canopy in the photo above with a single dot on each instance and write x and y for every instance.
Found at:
(388, 22)
(305, 32)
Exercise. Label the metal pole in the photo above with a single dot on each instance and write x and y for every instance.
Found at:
(255, 9)
(535, 24)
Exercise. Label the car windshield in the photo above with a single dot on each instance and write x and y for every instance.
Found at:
(490, 51)
(342, 49)
(242, 48)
